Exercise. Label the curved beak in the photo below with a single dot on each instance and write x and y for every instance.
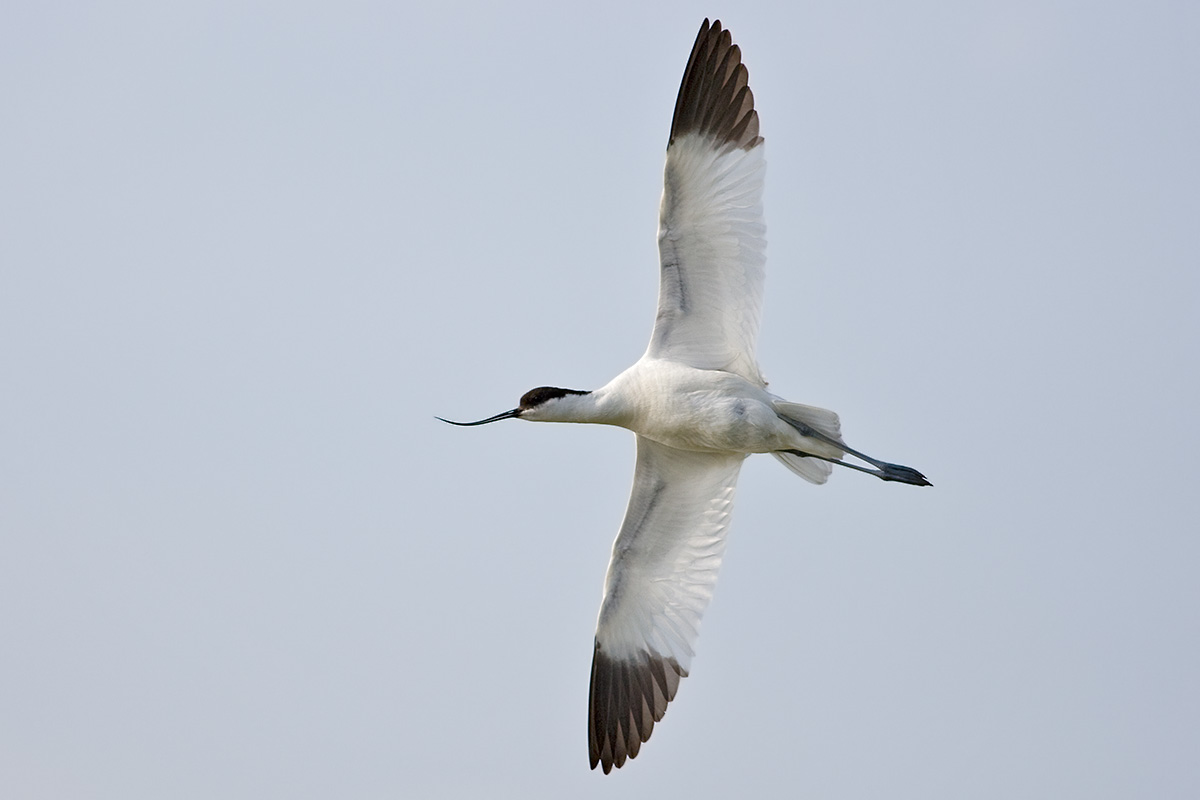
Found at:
(516, 412)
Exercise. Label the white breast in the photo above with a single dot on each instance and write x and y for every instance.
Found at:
(697, 409)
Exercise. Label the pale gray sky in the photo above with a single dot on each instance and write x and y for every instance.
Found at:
(247, 251)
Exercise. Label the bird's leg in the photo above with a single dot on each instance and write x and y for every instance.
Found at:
(883, 470)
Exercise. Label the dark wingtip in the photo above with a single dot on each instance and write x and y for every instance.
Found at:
(714, 97)
(626, 697)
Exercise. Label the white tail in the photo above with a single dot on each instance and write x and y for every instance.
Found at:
(821, 420)
(811, 469)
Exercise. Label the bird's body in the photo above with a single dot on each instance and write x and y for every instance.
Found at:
(697, 402)
(680, 406)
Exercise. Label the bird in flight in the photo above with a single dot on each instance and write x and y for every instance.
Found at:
(696, 400)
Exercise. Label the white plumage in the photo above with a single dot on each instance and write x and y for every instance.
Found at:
(697, 402)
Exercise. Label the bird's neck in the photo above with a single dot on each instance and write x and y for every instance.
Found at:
(599, 407)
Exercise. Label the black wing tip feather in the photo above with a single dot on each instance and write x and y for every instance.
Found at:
(627, 696)
(714, 97)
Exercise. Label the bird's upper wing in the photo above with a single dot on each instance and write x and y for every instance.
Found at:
(664, 566)
(711, 233)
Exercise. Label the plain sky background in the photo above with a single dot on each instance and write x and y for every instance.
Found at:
(249, 250)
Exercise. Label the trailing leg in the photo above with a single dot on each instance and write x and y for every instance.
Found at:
(808, 423)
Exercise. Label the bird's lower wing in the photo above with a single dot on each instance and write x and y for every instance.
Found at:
(660, 580)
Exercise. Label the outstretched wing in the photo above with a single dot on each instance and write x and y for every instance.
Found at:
(660, 580)
(711, 233)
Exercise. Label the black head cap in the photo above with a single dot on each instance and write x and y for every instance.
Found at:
(535, 397)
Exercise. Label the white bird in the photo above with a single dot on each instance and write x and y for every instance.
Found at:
(697, 402)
